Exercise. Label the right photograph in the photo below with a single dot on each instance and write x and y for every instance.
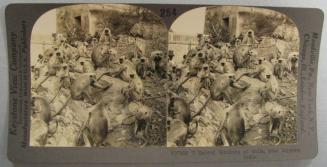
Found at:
(232, 75)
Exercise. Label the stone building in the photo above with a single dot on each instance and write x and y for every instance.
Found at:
(237, 20)
(127, 22)
(87, 17)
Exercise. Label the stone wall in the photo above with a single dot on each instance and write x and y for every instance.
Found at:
(236, 20)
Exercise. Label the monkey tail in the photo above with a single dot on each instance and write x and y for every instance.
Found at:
(182, 83)
(287, 97)
(45, 79)
(51, 133)
(100, 76)
(246, 73)
(202, 108)
(153, 97)
(190, 132)
(80, 139)
(63, 107)
(124, 121)
(197, 95)
(54, 97)
(279, 139)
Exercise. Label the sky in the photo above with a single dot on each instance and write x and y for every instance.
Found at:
(191, 22)
(45, 25)
(42, 32)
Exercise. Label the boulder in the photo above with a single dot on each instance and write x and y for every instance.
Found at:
(38, 132)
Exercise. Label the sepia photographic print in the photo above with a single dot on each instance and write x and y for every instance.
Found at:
(96, 77)
(234, 72)
(112, 75)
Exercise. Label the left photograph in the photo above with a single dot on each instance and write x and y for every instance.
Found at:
(97, 77)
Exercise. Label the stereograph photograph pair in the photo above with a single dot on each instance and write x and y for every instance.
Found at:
(161, 83)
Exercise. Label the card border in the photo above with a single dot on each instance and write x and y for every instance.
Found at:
(308, 20)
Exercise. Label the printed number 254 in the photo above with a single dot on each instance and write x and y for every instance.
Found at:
(167, 12)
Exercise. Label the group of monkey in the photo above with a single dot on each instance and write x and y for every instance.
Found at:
(79, 66)
(219, 68)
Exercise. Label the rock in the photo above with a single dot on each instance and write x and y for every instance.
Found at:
(38, 132)
(256, 135)
(147, 30)
(259, 118)
(211, 118)
(70, 123)
(287, 32)
(271, 107)
(176, 134)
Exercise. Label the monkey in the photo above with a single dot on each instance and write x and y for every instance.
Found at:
(177, 133)
(196, 63)
(140, 62)
(249, 39)
(55, 62)
(238, 42)
(279, 68)
(180, 113)
(243, 56)
(201, 40)
(97, 124)
(76, 67)
(65, 77)
(100, 56)
(87, 66)
(271, 89)
(135, 90)
(262, 69)
(171, 67)
(159, 63)
(58, 39)
(72, 54)
(125, 69)
(235, 125)
(112, 58)
(205, 77)
(171, 55)
(227, 67)
(215, 54)
(134, 57)
(293, 62)
(41, 60)
(221, 87)
(195, 67)
(35, 73)
(176, 73)
(41, 109)
(225, 51)
(81, 87)
(122, 69)
(222, 84)
(94, 42)
(276, 123)
(88, 39)
(106, 36)
(82, 48)
(143, 115)
(190, 54)
(178, 108)
(142, 67)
